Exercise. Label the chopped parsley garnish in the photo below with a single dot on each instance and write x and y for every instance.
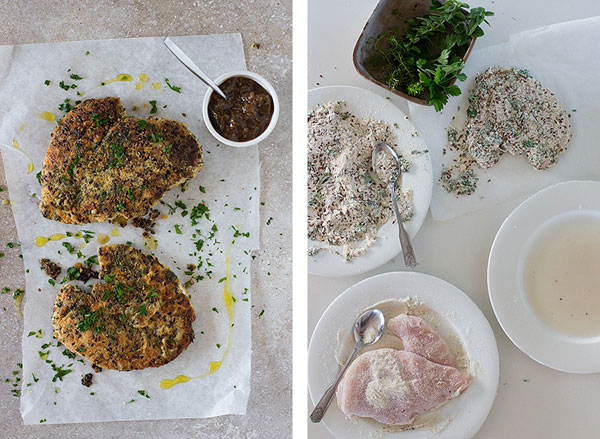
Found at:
(18, 293)
(142, 124)
(75, 77)
(237, 233)
(215, 310)
(89, 319)
(69, 247)
(119, 207)
(197, 212)
(99, 121)
(143, 393)
(223, 279)
(51, 282)
(116, 153)
(202, 189)
(178, 229)
(269, 221)
(107, 278)
(153, 110)
(142, 310)
(261, 313)
(73, 164)
(38, 176)
(47, 82)
(167, 149)
(156, 137)
(60, 372)
(66, 86)
(172, 87)
(87, 52)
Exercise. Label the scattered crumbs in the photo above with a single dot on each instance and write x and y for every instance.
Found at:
(86, 379)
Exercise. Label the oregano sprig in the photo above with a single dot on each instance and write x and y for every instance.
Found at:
(427, 58)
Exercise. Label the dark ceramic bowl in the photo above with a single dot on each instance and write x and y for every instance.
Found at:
(387, 15)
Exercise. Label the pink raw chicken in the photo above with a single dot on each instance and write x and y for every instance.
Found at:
(420, 338)
(394, 386)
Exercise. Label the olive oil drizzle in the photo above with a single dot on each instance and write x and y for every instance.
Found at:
(15, 145)
(121, 77)
(46, 115)
(41, 241)
(213, 365)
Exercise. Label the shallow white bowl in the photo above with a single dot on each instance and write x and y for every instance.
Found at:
(505, 285)
(419, 179)
(467, 412)
(265, 84)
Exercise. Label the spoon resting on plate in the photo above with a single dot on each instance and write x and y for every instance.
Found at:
(367, 330)
(410, 261)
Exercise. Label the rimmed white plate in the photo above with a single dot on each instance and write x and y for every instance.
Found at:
(419, 179)
(467, 412)
(505, 286)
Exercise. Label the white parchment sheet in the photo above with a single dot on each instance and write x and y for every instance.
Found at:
(564, 57)
(228, 185)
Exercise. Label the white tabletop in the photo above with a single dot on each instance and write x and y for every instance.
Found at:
(533, 401)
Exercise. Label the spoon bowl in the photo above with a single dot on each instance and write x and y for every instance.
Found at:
(368, 327)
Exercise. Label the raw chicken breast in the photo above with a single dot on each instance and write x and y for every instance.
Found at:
(393, 387)
(420, 338)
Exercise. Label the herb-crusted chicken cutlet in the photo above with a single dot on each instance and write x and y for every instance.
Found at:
(101, 163)
(140, 316)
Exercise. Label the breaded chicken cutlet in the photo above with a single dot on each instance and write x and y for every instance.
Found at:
(101, 163)
(140, 316)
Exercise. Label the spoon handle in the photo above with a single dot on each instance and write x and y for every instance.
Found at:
(410, 261)
(191, 65)
(321, 407)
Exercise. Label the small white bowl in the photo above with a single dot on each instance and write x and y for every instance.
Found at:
(265, 84)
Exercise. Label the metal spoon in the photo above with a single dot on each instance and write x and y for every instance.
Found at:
(410, 261)
(367, 330)
(191, 65)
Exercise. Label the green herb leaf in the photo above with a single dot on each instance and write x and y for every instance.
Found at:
(172, 87)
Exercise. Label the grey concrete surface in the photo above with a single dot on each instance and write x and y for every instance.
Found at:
(268, 23)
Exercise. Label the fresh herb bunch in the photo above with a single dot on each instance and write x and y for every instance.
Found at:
(428, 56)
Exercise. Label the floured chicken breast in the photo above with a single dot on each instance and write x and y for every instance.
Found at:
(395, 386)
(101, 163)
(420, 338)
(140, 316)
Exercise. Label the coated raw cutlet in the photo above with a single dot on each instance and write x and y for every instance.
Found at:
(140, 316)
(102, 163)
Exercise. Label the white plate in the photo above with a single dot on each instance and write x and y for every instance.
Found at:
(508, 251)
(419, 179)
(466, 412)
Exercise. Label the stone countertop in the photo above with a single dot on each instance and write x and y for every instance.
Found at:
(267, 23)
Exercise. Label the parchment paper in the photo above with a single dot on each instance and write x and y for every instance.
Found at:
(564, 57)
(230, 181)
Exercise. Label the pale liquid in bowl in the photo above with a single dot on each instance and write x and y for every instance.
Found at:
(561, 275)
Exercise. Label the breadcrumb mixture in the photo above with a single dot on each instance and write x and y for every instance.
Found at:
(346, 205)
(509, 111)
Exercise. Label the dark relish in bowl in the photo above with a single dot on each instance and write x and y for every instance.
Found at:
(245, 114)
